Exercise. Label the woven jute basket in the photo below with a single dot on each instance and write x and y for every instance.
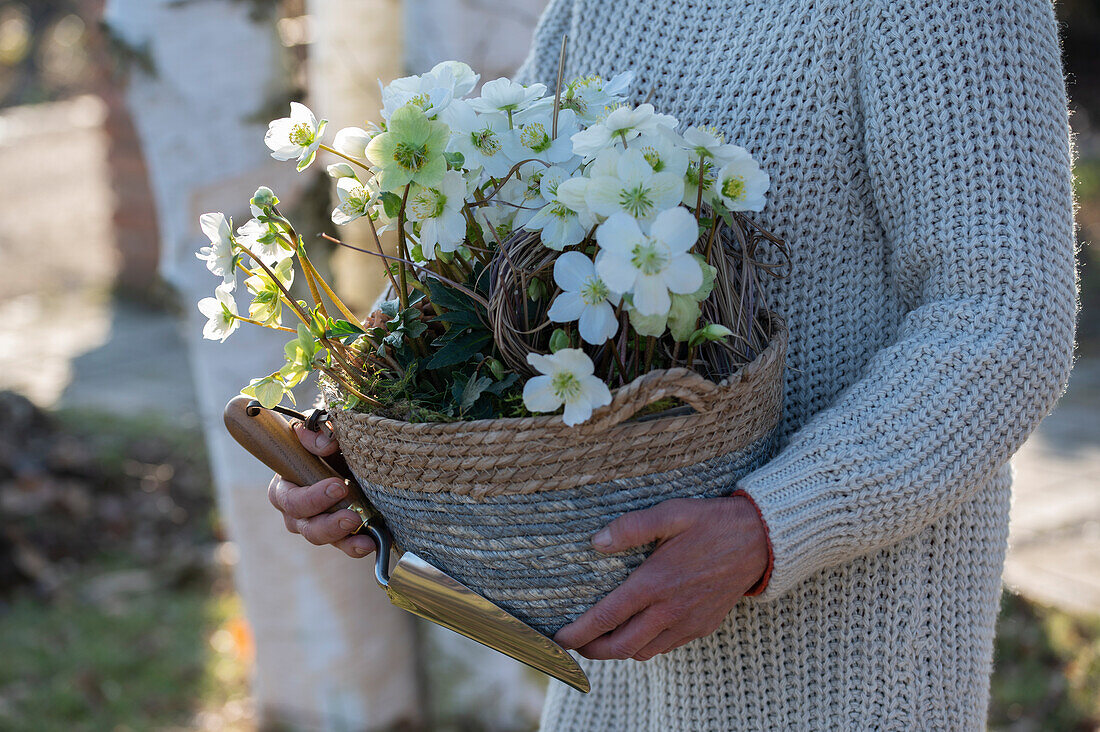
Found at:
(509, 506)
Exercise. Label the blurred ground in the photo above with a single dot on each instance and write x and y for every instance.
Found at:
(137, 622)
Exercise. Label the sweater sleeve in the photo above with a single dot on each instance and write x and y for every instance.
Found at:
(542, 62)
(967, 147)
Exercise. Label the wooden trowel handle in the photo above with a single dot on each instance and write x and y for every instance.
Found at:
(268, 436)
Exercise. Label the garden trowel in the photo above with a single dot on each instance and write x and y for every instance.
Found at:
(413, 584)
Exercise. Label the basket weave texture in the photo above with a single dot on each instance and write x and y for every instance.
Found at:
(525, 455)
(508, 507)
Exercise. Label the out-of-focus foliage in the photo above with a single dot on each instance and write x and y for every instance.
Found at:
(44, 53)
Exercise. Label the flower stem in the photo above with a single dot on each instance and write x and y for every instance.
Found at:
(699, 198)
(326, 148)
(243, 319)
(403, 291)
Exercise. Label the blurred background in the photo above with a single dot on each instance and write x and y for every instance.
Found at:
(144, 581)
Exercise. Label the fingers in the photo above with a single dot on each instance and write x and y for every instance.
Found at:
(357, 546)
(663, 643)
(321, 443)
(638, 528)
(606, 615)
(328, 527)
(302, 502)
(636, 634)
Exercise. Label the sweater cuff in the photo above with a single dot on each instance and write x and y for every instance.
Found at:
(797, 503)
(762, 583)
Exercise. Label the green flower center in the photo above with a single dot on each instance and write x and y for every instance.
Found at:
(534, 188)
(693, 175)
(636, 201)
(650, 257)
(301, 134)
(594, 291)
(486, 141)
(653, 158)
(734, 188)
(428, 204)
(576, 103)
(534, 137)
(357, 200)
(410, 157)
(565, 386)
(562, 211)
(421, 100)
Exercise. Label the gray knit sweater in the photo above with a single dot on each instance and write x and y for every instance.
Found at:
(919, 154)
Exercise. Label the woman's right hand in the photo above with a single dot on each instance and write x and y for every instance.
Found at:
(303, 507)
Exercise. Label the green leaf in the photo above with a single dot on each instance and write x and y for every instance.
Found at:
(468, 393)
(709, 332)
(559, 340)
(341, 328)
(459, 349)
(683, 316)
(390, 308)
(449, 298)
(391, 204)
(455, 159)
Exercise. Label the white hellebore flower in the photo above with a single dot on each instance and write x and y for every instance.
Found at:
(710, 142)
(662, 152)
(635, 189)
(221, 311)
(296, 136)
(621, 123)
(650, 266)
(352, 141)
(742, 184)
(433, 92)
(507, 96)
(219, 256)
(439, 212)
(355, 198)
(566, 378)
(564, 220)
(480, 139)
(584, 298)
(264, 241)
(531, 138)
(590, 96)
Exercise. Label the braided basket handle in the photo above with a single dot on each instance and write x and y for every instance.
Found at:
(685, 385)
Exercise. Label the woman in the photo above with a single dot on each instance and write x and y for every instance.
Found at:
(920, 162)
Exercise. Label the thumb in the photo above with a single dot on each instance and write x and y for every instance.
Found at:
(638, 528)
(321, 443)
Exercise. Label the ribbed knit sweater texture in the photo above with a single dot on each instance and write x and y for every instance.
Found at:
(920, 159)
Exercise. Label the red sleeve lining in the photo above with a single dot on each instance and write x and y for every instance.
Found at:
(762, 583)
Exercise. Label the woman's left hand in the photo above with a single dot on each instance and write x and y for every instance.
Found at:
(709, 553)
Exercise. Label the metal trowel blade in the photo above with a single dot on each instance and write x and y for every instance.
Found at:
(423, 590)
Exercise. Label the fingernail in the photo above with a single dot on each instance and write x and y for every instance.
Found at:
(336, 490)
(363, 550)
(347, 523)
(602, 539)
(323, 439)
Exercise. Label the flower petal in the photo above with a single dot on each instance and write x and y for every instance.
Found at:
(651, 295)
(539, 396)
(572, 269)
(598, 323)
(573, 360)
(677, 228)
(618, 235)
(576, 411)
(567, 307)
(543, 364)
(616, 271)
